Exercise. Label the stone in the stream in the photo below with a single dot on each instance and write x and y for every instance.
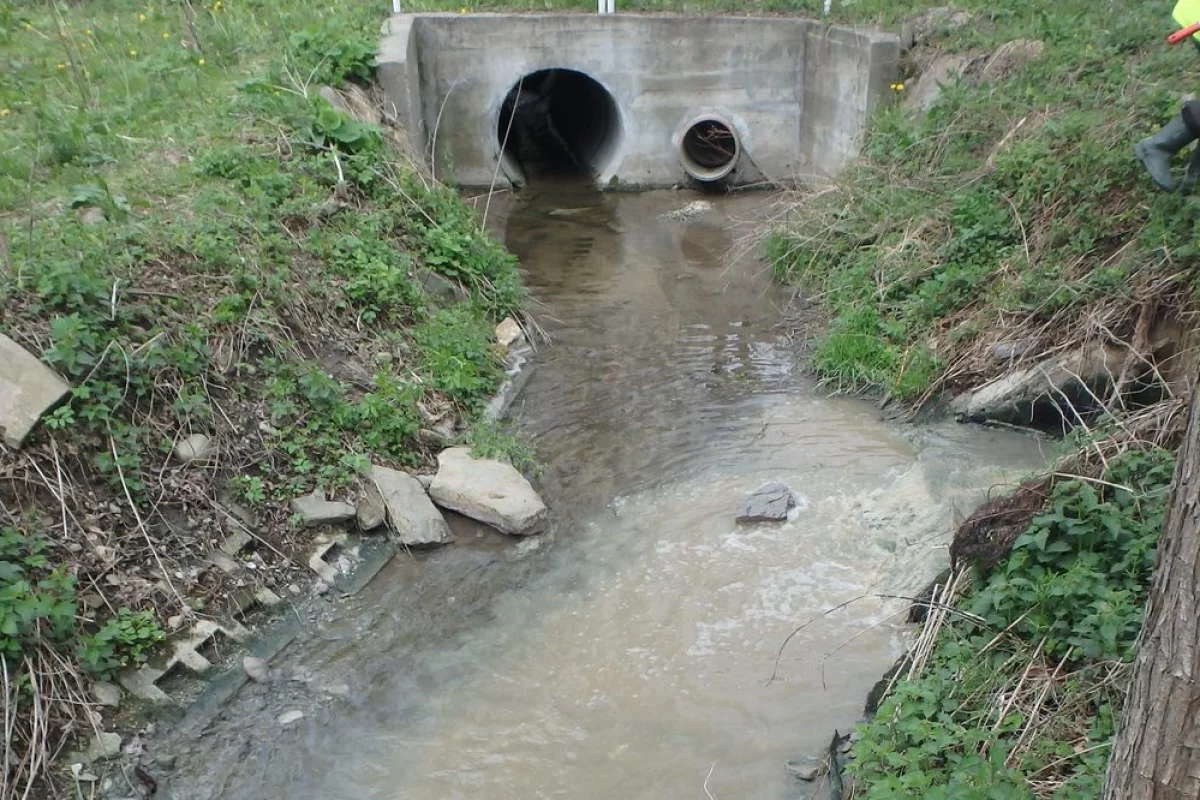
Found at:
(414, 519)
(804, 770)
(489, 491)
(314, 510)
(768, 503)
(28, 389)
(256, 669)
(288, 717)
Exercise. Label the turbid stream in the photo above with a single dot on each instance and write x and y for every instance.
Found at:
(628, 654)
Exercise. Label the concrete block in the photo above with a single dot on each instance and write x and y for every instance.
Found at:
(28, 389)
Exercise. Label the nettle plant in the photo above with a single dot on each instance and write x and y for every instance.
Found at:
(38, 609)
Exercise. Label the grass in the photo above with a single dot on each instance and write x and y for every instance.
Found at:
(201, 244)
(1012, 211)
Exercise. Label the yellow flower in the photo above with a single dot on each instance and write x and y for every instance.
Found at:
(3, 112)
(61, 66)
(141, 17)
(166, 35)
(201, 62)
(28, 26)
(462, 11)
(133, 53)
(277, 93)
(87, 32)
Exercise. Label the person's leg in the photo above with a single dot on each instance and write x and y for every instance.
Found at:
(1191, 118)
(1155, 151)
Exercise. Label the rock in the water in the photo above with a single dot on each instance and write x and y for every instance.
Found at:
(256, 668)
(106, 694)
(489, 491)
(414, 518)
(696, 208)
(508, 332)
(28, 389)
(288, 717)
(371, 509)
(314, 510)
(196, 447)
(768, 503)
(804, 770)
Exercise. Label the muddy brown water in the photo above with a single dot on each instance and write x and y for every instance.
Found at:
(628, 654)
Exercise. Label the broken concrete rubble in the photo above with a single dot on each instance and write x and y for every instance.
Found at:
(28, 390)
(413, 517)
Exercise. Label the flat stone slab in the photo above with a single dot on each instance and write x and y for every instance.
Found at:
(28, 389)
(489, 491)
(314, 510)
(770, 502)
(413, 518)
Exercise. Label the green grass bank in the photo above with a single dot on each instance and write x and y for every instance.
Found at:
(201, 244)
(1001, 225)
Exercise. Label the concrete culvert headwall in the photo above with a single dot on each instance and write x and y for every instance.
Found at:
(558, 121)
(610, 92)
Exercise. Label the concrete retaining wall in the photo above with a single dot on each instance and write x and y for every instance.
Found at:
(797, 92)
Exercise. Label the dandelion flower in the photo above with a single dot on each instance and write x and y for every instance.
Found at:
(166, 35)
(141, 17)
(133, 53)
(61, 66)
(4, 112)
(462, 11)
(88, 32)
(201, 62)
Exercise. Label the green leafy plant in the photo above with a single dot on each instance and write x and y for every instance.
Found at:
(333, 51)
(1068, 600)
(121, 641)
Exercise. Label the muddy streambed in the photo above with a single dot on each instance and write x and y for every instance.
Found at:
(627, 653)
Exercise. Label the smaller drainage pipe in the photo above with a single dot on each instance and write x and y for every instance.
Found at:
(708, 148)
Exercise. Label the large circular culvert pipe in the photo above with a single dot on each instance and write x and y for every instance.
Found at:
(709, 147)
(557, 121)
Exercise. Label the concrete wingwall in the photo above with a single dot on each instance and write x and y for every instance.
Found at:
(796, 92)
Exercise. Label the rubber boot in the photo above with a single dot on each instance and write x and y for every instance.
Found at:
(1155, 152)
(1192, 176)
(1191, 117)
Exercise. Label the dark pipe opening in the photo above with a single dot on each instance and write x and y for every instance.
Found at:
(709, 150)
(558, 122)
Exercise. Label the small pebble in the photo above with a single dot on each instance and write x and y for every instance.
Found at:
(288, 717)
